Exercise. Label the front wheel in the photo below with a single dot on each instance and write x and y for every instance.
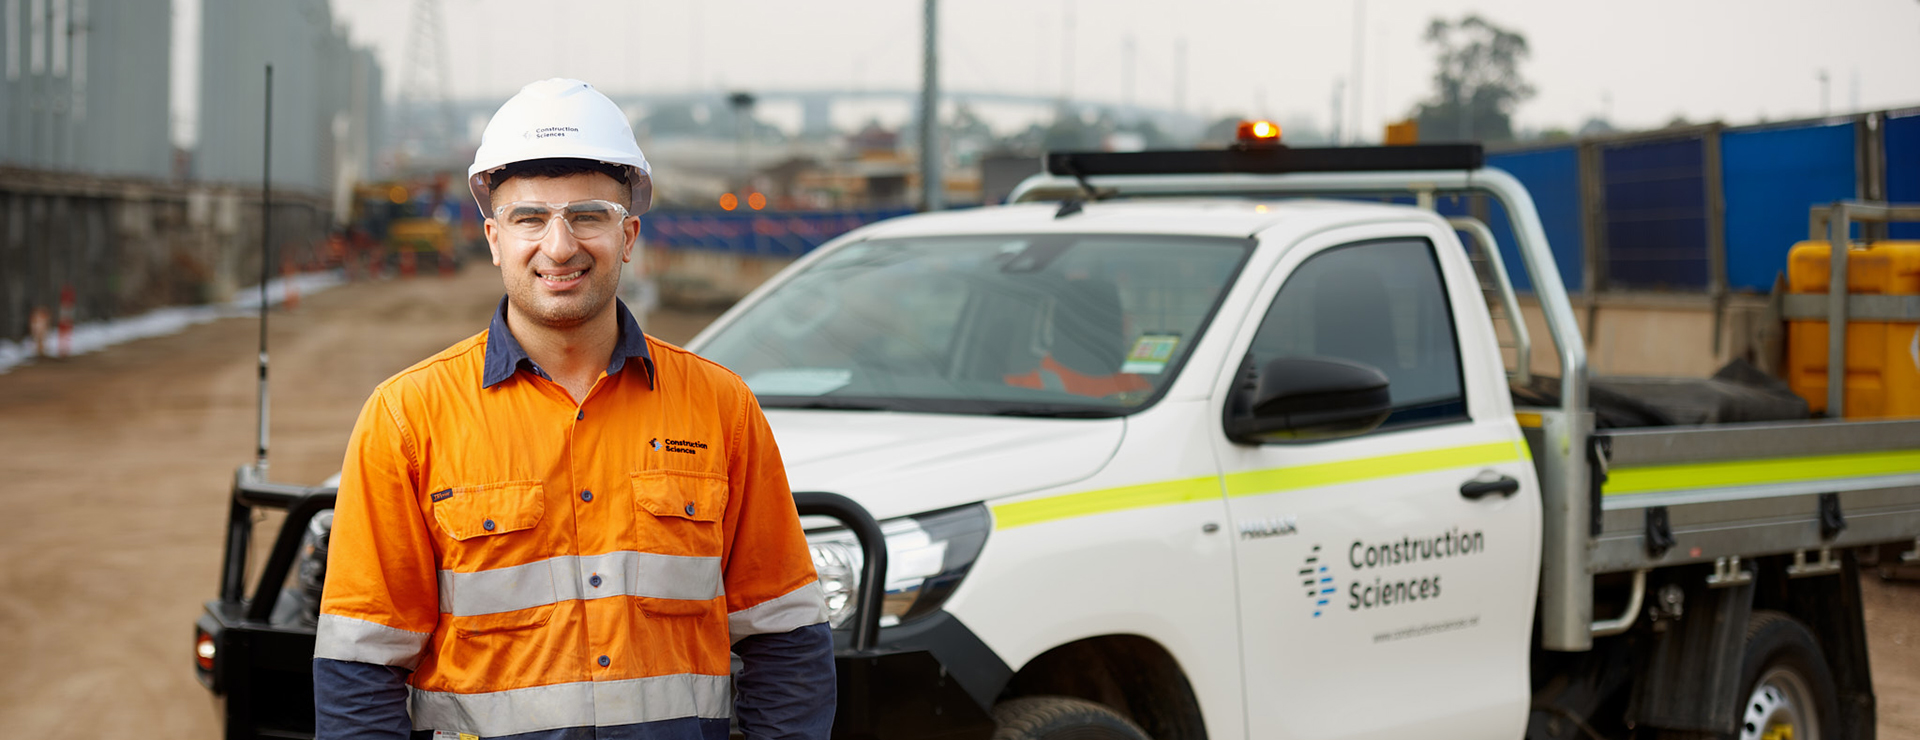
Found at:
(1061, 718)
(1789, 693)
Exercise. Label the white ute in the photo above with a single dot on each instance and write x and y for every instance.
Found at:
(1165, 449)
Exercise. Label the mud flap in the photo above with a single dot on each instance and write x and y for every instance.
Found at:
(1690, 679)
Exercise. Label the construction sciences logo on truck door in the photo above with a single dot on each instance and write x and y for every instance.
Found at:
(1390, 584)
(1398, 586)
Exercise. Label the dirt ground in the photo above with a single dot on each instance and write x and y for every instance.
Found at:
(116, 472)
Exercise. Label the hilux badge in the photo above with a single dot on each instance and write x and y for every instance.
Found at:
(1273, 526)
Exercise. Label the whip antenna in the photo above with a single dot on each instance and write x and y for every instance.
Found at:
(266, 257)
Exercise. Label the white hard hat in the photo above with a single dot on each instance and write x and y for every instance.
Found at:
(559, 118)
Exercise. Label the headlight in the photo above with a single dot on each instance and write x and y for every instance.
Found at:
(927, 555)
(299, 599)
(312, 570)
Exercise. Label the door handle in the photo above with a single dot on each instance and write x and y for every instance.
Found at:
(1478, 489)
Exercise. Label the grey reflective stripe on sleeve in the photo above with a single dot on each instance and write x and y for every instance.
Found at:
(584, 704)
(361, 641)
(565, 578)
(798, 608)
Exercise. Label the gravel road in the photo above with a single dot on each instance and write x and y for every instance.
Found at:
(117, 466)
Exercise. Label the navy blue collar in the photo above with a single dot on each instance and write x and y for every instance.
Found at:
(505, 355)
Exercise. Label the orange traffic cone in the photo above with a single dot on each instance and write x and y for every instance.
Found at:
(287, 275)
(66, 321)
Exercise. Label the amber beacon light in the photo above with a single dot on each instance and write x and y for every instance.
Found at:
(1258, 133)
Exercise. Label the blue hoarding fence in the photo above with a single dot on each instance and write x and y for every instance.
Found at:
(1648, 212)
(767, 234)
(1654, 214)
(1902, 140)
(1552, 177)
(1772, 177)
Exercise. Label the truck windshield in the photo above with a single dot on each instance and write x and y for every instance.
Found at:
(1054, 325)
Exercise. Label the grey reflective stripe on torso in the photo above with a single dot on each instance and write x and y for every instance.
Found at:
(568, 577)
(583, 704)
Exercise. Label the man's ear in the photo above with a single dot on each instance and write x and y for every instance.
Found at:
(632, 231)
(493, 239)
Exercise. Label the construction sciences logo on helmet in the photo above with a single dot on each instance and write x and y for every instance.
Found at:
(1399, 567)
(552, 132)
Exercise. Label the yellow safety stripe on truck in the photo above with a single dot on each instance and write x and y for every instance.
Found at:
(1250, 483)
(1084, 503)
(1627, 481)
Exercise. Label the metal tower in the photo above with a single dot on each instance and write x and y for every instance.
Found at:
(427, 128)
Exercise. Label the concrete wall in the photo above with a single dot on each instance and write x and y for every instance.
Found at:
(702, 279)
(1661, 335)
(126, 246)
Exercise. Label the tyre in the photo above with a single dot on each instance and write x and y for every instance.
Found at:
(1787, 690)
(1061, 718)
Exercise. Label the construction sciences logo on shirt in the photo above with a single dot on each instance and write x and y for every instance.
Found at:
(686, 447)
(1392, 559)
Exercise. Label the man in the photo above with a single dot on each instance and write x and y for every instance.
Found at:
(558, 527)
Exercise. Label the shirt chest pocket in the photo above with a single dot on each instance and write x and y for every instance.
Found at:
(679, 512)
(473, 512)
(484, 584)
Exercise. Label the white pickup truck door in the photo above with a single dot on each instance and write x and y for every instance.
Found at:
(1376, 600)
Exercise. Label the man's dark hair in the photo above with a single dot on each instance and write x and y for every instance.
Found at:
(556, 167)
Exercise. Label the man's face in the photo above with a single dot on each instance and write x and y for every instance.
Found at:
(561, 281)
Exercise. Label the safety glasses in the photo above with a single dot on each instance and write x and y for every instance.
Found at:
(585, 219)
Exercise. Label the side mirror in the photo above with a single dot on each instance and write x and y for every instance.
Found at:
(1297, 399)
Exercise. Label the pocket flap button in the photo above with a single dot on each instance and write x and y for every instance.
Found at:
(487, 525)
(689, 509)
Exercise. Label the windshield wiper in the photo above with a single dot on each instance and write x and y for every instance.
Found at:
(1070, 412)
(825, 404)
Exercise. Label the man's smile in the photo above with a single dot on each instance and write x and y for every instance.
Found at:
(561, 279)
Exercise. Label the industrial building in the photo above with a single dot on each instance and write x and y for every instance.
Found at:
(86, 86)
(327, 105)
(101, 215)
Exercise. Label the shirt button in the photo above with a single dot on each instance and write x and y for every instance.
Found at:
(689, 509)
(586, 495)
(594, 581)
(604, 661)
(488, 525)
(581, 414)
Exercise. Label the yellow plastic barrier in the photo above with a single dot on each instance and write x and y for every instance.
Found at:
(1883, 357)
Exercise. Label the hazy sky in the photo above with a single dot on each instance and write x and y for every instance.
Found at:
(1639, 62)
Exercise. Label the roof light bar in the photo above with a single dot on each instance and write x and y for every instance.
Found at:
(1269, 160)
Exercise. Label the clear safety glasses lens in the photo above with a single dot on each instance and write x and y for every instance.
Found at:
(586, 219)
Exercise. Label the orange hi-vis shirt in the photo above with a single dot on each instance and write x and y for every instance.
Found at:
(542, 565)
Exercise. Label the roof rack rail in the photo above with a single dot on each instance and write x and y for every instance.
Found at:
(1269, 160)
